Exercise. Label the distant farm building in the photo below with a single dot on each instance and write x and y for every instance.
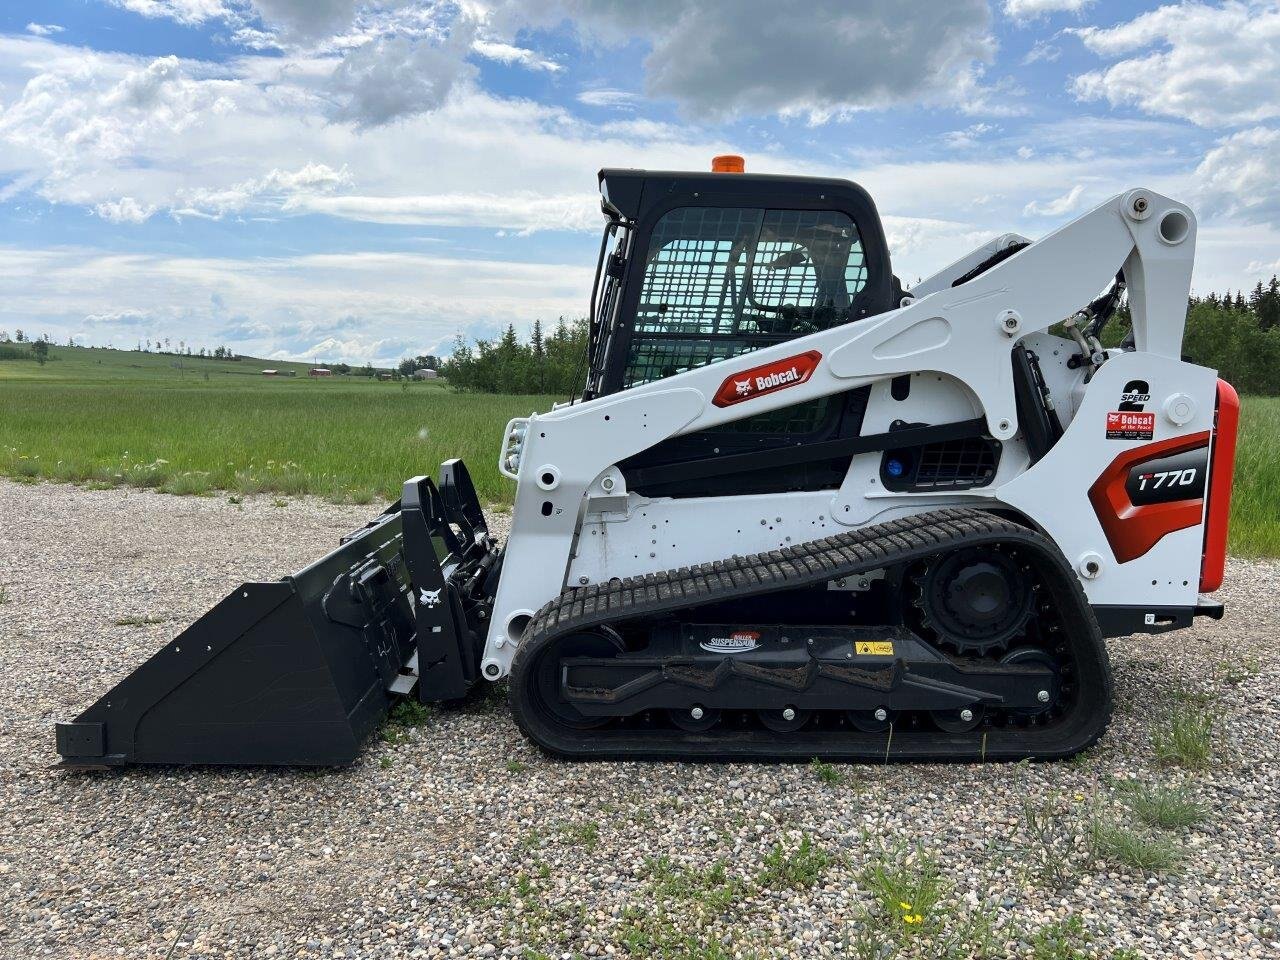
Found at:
(320, 372)
(271, 373)
(425, 374)
(384, 376)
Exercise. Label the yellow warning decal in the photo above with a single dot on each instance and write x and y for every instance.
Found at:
(874, 648)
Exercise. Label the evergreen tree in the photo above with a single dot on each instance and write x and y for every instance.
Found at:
(538, 351)
(1268, 309)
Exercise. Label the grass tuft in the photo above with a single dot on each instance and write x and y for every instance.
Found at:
(1169, 808)
(1067, 940)
(409, 713)
(827, 773)
(583, 834)
(796, 870)
(1150, 853)
(906, 887)
(188, 484)
(1185, 738)
(712, 888)
(1051, 827)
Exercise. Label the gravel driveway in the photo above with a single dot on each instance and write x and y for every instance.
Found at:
(456, 838)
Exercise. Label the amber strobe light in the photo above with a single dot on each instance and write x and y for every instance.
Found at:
(728, 163)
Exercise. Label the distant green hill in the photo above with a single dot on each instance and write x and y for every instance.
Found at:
(101, 363)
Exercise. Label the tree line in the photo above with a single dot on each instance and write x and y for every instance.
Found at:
(1236, 334)
(551, 363)
(1239, 338)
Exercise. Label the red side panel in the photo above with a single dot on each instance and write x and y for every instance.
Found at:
(1131, 529)
(1222, 466)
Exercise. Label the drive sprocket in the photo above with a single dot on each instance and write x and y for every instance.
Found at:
(975, 600)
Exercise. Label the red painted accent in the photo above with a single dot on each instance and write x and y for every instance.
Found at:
(767, 378)
(1222, 465)
(1131, 530)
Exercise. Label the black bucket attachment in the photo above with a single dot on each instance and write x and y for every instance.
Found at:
(300, 671)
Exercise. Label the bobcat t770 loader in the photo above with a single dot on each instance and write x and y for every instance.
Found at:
(795, 511)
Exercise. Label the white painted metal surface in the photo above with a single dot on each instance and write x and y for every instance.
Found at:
(575, 523)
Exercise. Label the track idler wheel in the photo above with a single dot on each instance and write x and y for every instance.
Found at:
(958, 721)
(786, 720)
(694, 720)
(872, 721)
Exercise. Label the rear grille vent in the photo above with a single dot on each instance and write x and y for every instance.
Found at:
(949, 465)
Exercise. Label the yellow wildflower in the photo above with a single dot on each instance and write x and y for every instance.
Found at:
(905, 906)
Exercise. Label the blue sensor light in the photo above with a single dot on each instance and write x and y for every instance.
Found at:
(895, 467)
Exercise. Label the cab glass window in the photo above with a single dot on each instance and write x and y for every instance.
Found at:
(719, 282)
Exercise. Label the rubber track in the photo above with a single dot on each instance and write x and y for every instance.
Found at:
(809, 564)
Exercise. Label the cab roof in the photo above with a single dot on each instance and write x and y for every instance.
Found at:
(629, 194)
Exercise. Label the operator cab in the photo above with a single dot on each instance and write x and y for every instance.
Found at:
(695, 268)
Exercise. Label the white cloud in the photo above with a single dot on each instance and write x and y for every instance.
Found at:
(183, 11)
(278, 189)
(86, 110)
(44, 29)
(177, 135)
(401, 58)
(1214, 66)
(767, 57)
(1055, 208)
(124, 210)
(909, 237)
(510, 54)
(1031, 9)
(299, 19)
(608, 97)
(386, 80)
(969, 136)
(522, 212)
(307, 19)
(1042, 51)
(1240, 177)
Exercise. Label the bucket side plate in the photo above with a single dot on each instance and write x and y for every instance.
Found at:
(294, 672)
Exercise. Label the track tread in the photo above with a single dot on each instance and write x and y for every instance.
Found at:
(806, 564)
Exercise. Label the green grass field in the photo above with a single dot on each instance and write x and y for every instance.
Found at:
(116, 417)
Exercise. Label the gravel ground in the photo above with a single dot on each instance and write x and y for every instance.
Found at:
(459, 839)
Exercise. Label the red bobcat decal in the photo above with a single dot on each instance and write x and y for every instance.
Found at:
(767, 378)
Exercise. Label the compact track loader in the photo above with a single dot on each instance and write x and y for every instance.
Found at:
(796, 511)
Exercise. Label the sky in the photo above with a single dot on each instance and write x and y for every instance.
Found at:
(362, 181)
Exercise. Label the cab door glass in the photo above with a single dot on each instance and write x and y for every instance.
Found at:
(720, 282)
